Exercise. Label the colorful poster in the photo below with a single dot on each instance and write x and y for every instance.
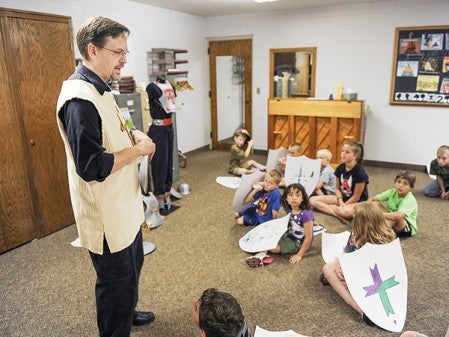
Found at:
(444, 89)
(429, 65)
(377, 280)
(445, 65)
(427, 83)
(430, 41)
(409, 46)
(264, 236)
(407, 69)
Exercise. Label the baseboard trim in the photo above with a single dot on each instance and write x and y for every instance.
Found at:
(261, 152)
(198, 150)
(385, 164)
(375, 163)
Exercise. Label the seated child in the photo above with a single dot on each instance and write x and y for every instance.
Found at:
(267, 201)
(327, 180)
(218, 313)
(293, 150)
(369, 226)
(299, 235)
(351, 185)
(439, 167)
(239, 163)
(402, 208)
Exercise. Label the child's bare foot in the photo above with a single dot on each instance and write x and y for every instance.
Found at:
(236, 215)
(343, 220)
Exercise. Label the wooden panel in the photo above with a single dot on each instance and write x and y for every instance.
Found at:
(301, 133)
(281, 132)
(16, 210)
(347, 130)
(317, 124)
(325, 108)
(324, 134)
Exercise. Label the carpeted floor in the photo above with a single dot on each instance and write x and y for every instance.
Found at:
(47, 286)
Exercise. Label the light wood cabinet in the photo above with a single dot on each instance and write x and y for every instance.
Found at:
(36, 53)
(315, 124)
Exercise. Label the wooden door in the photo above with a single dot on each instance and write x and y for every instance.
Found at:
(16, 208)
(230, 48)
(40, 56)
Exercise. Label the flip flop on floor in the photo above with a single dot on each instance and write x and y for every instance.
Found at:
(259, 260)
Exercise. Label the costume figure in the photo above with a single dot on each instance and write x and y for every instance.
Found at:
(162, 97)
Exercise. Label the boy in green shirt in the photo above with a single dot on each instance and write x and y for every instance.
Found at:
(401, 206)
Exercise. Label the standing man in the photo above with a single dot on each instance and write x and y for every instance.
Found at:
(102, 169)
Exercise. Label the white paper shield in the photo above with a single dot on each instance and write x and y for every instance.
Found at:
(264, 236)
(143, 174)
(304, 171)
(230, 182)
(266, 333)
(377, 280)
(245, 186)
(273, 158)
(332, 245)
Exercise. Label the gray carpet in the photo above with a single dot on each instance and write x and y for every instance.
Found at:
(47, 286)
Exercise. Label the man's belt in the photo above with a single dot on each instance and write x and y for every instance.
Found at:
(163, 122)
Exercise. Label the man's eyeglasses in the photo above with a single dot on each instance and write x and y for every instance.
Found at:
(123, 53)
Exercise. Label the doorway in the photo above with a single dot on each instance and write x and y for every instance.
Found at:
(230, 71)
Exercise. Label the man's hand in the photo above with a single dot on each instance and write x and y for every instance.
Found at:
(138, 135)
(144, 144)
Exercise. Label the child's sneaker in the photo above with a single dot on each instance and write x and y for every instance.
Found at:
(317, 229)
(367, 320)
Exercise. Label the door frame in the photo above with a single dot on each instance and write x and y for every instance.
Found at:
(235, 46)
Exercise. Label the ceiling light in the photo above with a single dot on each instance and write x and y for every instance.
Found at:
(265, 0)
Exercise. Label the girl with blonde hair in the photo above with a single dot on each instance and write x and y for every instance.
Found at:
(369, 226)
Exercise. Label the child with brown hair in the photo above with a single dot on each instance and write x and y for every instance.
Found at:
(217, 313)
(369, 226)
(299, 236)
(266, 199)
(439, 167)
(240, 151)
(351, 185)
(401, 206)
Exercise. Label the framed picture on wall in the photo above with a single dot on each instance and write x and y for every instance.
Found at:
(420, 73)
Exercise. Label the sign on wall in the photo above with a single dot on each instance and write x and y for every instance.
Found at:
(421, 66)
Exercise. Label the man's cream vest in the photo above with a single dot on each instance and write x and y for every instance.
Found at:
(113, 208)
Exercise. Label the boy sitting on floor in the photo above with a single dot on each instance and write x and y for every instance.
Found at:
(267, 201)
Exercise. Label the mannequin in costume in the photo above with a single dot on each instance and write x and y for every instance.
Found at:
(162, 97)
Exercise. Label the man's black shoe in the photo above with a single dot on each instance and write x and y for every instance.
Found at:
(142, 317)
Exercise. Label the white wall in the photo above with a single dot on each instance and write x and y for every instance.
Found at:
(354, 46)
(151, 27)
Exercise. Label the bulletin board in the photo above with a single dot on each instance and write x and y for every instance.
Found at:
(421, 66)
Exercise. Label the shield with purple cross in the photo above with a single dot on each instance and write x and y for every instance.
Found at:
(377, 280)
